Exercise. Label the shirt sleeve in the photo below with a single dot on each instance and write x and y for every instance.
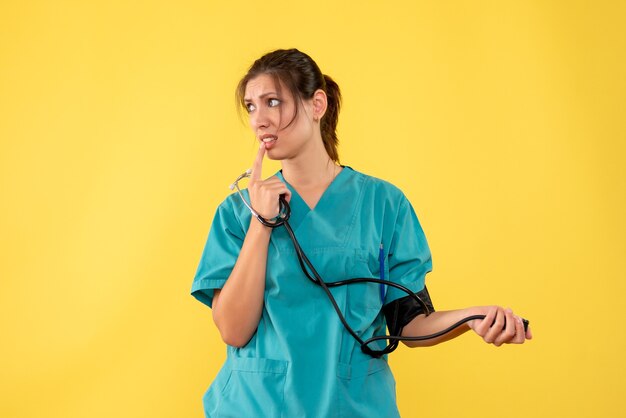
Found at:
(220, 253)
(409, 255)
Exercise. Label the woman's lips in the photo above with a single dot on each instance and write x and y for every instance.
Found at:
(269, 140)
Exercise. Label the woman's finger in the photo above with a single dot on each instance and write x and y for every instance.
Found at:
(257, 165)
(508, 333)
(483, 327)
(520, 334)
(496, 327)
(529, 334)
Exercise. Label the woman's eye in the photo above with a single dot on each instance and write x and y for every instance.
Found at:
(249, 107)
(273, 102)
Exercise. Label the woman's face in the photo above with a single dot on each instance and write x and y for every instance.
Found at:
(271, 110)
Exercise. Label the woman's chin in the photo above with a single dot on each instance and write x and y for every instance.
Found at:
(273, 155)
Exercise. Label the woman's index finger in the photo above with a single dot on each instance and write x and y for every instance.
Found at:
(257, 166)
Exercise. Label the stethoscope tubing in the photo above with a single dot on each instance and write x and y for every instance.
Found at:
(314, 276)
(283, 220)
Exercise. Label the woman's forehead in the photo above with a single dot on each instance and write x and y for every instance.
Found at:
(262, 85)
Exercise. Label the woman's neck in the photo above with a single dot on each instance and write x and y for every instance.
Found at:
(310, 170)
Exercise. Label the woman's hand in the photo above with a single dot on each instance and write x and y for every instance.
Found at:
(264, 194)
(500, 326)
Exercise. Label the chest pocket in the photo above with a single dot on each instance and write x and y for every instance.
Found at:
(343, 263)
(365, 296)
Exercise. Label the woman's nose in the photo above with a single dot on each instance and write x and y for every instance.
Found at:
(259, 119)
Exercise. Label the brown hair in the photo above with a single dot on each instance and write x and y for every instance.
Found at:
(302, 77)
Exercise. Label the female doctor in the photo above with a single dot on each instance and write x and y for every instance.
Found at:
(288, 354)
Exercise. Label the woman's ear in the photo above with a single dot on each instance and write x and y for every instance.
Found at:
(320, 103)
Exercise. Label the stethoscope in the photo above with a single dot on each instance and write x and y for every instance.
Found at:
(282, 219)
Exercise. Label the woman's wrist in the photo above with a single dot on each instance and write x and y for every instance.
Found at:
(472, 311)
(258, 229)
(476, 310)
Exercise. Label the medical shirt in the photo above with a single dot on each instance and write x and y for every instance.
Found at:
(301, 362)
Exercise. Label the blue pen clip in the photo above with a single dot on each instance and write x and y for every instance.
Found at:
(381, 273)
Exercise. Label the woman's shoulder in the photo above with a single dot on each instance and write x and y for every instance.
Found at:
(232, 207)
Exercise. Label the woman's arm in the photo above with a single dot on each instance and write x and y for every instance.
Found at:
(238, 306)
(500, 326)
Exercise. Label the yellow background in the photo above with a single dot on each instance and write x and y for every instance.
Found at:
(504, 123)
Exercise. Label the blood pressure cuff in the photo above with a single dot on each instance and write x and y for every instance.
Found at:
(402, 311)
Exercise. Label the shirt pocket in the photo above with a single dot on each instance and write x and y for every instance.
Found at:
(366, 296)
(366, 389)
(255, 387)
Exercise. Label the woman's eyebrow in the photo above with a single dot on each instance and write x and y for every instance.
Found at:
(269, 93)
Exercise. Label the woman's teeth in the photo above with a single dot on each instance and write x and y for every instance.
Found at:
(269, 139)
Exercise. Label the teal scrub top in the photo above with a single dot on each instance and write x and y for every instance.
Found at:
(301, 362)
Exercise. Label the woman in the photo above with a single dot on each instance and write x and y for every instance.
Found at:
(288, 353)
